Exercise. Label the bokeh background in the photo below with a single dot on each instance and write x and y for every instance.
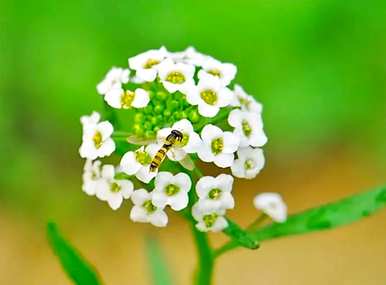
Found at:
(319, 68)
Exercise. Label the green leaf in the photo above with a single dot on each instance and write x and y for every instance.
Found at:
(159, 271)
(328, 216)
(325, 217)
(240, 236)
(78, 269)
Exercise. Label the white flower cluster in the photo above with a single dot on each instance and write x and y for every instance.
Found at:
(220, 123)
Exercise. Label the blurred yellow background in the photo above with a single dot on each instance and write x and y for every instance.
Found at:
(319, 68)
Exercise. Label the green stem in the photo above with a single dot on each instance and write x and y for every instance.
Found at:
(110, 114)
(215, 120)
(232, 244)
(204, 269)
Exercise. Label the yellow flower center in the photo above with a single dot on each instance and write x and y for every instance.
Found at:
(143, 157)
(149, 207)
(244, 102)
(115, 187)
(249, 164)
(150, 63)
(175, 77)
(210, 219)
(215, 193)
(215, 72)
(209, 96)
(247, 130)
(217, 145)
(127, 99)
(97, 139)
(171, 189)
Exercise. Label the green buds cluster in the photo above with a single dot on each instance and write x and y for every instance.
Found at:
(163, 110)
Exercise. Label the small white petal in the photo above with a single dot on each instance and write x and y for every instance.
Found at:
(108, 171)
(159, 199)
(140, 196)
(224, 160)
(158, 218)
(210, 132)
(204, 185)
(205, 153)
(127, 188)
(113, 97)
(183, 181)
(207, 110)
(184, 126)
(115, 201)
(231, 142)
(220, 224)
(141, 98)
(138, 214)
(129, 164)
(145, 175)
(180, 201)
(271, 204)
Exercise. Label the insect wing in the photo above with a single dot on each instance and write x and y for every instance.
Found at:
(139, 140)
(187, 163)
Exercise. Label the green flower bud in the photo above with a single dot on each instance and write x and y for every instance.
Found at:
(148, 110)
(177, 116)
(184, 115)
(194, 116)
(138, 117)
(154, 121)
(138, 130)
(161, 95)
(158, 109)
(149, 134)
(147, 125)
(156, 129)
(160, 119)
(173, 105)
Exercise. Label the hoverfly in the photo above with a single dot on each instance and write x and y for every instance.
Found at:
(174, 137)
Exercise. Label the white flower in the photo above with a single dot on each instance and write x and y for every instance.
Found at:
(96, 140)
(91, 176)
(144, 211)
(93, 119)
(111, 190)
(190, 142)
(176, 76)
(245, 101)
(215, 192)
(209, 95)
(125, 99)
(249, 127)
(113, 79)
(272, 205)
(249, 162)
(146, 64)
(225, 72)
(138, 162)
(171, 190)
(189, 56)
(218, 146)
(209, 219)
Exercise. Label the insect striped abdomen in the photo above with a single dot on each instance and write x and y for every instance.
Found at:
(170, 140)
(159, 157)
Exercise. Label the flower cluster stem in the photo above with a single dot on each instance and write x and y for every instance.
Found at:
(204, 271)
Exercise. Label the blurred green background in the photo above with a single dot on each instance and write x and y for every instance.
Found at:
(319, 68)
